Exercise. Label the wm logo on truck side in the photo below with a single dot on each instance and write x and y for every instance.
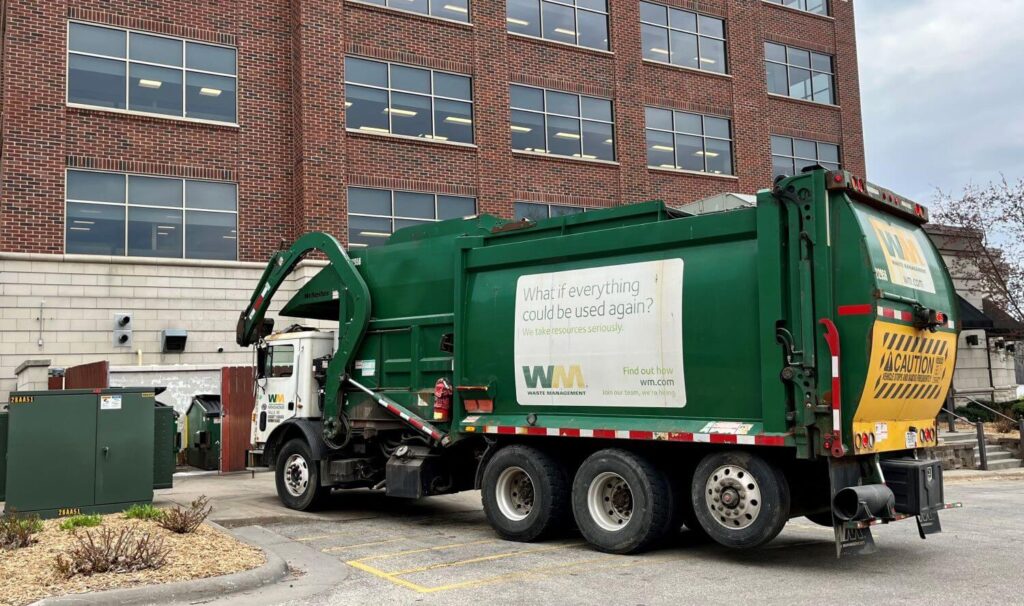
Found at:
(553, 377)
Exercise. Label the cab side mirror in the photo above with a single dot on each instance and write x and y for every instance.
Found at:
(261, 362)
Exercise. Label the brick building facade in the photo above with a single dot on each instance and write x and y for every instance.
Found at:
(292, 155)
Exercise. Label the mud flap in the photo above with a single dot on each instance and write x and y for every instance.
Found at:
(928, 523)
(851, 540)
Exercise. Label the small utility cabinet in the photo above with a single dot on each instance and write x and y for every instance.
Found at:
(80, 451)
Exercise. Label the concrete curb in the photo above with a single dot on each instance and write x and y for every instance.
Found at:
(971, 475)
(272, 571)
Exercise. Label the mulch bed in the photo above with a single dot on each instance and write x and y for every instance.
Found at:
(28, 574)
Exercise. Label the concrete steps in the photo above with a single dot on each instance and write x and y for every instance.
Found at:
(998, 456)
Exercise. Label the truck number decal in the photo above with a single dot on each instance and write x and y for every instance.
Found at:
(604, 336)
(904, 256)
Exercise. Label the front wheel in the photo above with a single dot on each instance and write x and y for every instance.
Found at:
(739, 499)
(298, 477)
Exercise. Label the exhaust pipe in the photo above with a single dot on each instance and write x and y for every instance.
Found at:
(857, 503)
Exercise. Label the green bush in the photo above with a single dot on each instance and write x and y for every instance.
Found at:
(81, 521)
(143, 512)
(1018, 408)
(975, 413)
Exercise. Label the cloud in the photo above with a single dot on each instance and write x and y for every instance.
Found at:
(941, 83)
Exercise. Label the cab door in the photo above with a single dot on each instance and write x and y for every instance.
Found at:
(277, 389)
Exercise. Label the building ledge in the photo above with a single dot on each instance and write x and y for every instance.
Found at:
(564, 45)
(149, 117)
(66, 258)
(683, 68)
(407, 139)
(830, 106)
(692, 173)
(526, 154)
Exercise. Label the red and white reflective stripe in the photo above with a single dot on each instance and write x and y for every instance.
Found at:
(632, 434)
(832, 339)
(414, 421)
(888, 312)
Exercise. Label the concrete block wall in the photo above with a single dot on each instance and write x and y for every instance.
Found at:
(77, 296)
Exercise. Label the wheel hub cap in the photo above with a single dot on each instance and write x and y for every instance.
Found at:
(733, 496)
(515, 493)
(296, 475)
(610, 501)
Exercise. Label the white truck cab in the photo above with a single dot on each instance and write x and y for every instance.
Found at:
(285, 384)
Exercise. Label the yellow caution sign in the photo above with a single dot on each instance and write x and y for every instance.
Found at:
(908, 375)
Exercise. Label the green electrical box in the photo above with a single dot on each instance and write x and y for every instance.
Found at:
(3, 454)
(80, 451)
(164, 447)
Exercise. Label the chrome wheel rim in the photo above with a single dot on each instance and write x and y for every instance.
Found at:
(296, 475)
(733, 496)
(610, 501)
(515, 493)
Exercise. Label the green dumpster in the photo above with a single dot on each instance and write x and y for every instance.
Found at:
(165, 432)
(79, 451)
(3, 454)
(203, 425)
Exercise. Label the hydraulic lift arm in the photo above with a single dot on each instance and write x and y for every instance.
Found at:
(353, 298)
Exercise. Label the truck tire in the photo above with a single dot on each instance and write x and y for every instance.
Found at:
(622, 503)
(525, 493)
(740, 500)
(298, 477)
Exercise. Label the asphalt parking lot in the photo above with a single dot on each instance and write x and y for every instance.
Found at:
(369, 549)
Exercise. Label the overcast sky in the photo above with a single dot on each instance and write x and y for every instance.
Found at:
(942, 92)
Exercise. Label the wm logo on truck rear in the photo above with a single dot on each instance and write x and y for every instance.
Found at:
(553, 377)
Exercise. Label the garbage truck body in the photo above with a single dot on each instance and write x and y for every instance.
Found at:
(629, 370)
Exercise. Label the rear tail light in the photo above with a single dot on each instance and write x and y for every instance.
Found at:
(442, 400)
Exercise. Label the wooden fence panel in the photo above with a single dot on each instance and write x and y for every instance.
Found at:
(237, 402)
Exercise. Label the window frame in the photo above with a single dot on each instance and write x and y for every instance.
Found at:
(549, 206)
(794, 157)
(803, 7)
(810, 68)
(393, 217)
(128, 62)
(433, 138)
(703, 137)
(544, 113)
(576, 21)
(669, 29)
(184, 209)
(387, 5)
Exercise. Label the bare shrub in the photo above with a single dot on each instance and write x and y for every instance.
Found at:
(109, 550)
(185, 520)
(16, 531)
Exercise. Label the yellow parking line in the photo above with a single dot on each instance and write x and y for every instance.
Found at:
(380, 573)
(487, 558)
(356, 545)
(412, 551)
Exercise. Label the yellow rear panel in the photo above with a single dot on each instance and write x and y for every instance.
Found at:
(908, 377)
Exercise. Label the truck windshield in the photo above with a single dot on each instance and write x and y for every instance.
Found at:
(282, 361)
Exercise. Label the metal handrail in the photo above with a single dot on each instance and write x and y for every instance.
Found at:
(992, 410)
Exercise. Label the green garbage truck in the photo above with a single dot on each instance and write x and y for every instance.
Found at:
(630, 370)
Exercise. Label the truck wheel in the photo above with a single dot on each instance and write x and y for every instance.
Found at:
(525, 494)
(621, 502)
(740, 500)
(298, 477)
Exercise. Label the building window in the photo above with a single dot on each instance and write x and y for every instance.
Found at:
(375, 214)
(457, 10)
(798, 73)
(132, 71)
(685, 141)
(818, 7)
(143, 216)
(682, 37)
(411, 101)
(563, 124)
(790, 156)
(578, 22)
(536, 211)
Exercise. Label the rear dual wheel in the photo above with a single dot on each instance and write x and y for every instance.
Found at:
(525, 494)
(622, 503)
